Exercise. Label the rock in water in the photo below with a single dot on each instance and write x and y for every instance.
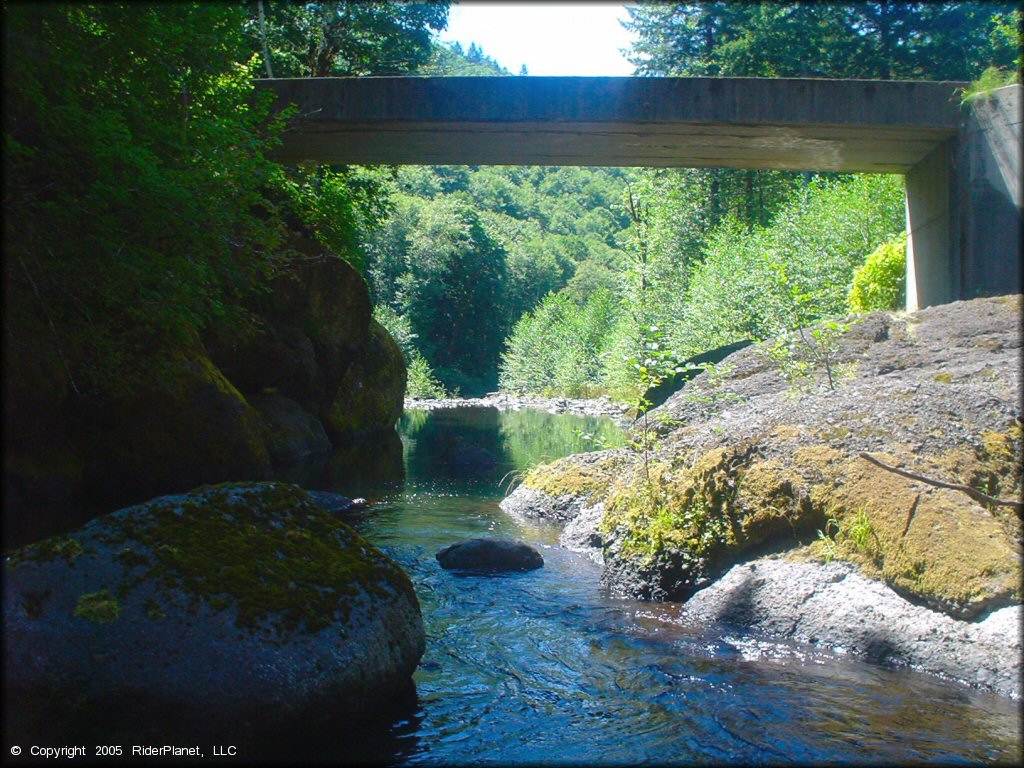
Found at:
(490, 555)
(233, 610)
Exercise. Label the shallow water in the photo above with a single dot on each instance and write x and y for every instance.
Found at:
(546, 667)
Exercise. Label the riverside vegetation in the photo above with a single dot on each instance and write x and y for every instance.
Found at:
(180, 312)
(750, 467)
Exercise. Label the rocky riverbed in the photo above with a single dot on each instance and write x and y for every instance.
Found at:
(748, 465)
(598, 406)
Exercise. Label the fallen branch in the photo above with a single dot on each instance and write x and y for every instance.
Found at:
(974, 493)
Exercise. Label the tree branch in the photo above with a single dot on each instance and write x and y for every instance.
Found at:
(974, 493)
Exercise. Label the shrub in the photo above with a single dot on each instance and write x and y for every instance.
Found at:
(881, 283)
(421, 382)
(558, 347)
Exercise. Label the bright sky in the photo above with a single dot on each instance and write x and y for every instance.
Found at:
(549, 38)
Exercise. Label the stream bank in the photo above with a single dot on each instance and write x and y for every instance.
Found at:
(504, 401)
(546, 665)
(746, 464)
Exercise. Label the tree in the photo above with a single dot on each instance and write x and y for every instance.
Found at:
(931, 41)
(338, 38)
(136, 189)
(448, 278)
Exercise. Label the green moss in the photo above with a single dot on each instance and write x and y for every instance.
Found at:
(370, 395)
(943, 378)
(153, 609)
(44, 551)
(98, 607)
(579, 476)
(667, 511)
(265, 550)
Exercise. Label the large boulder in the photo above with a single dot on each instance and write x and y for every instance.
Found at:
(233, 405)
(186, 426)
(326, 298)
(490, 555)
(276, 358)
(228, 612)
(368, 398)
(746, 461)
(834, 606)
(290, 433)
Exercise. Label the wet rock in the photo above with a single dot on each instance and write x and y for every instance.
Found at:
(532, 503)
(368, 397)
(583, 533)
(235, 609)
(335, 503)
(835, 606)
(490, 555)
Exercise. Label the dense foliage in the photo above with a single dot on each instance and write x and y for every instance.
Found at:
(467, 251)
(337, 38)
(134, 180)
(141, 207)
(881, 282)
(907, 40)
(745, 284)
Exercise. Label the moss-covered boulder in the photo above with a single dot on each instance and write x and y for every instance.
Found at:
(187, 426)
(560, 490)
(324, 296)
(223, 613)
(278, 359)
(748, 462)
(291, 433)
(182, 412)
(369, 397)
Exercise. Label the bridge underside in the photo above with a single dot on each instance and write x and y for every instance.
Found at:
(912, 128)
(803, 125)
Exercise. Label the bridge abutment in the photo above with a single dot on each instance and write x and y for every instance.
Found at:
(964, 202)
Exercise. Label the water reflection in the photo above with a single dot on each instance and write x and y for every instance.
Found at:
(545, 667)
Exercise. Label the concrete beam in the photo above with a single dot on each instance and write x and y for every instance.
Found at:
(963, 177)
(785, 124)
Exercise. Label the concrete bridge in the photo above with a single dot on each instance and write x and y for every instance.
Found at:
(962, 167)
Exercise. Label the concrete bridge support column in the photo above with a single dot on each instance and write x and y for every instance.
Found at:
(933, 260)
(964, 203)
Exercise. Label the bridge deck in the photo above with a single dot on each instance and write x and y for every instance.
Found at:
(786, 124)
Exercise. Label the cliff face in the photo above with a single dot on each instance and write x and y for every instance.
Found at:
(316, 372)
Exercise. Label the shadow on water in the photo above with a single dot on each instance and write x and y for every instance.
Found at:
(546, 667)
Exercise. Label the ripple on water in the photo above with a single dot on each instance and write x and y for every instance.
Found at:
(544, 666)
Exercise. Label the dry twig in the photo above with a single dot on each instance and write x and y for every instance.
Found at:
(974, 493)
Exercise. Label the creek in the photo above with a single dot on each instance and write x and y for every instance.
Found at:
(545, 666)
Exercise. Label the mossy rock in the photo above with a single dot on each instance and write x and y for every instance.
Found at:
(187, 426)
(930, 544)
(274, 359)
(370, 396)
(589, 476)
(42, 469)
(670, 533)
(291, 433)
(236, 608)
(323, 294)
